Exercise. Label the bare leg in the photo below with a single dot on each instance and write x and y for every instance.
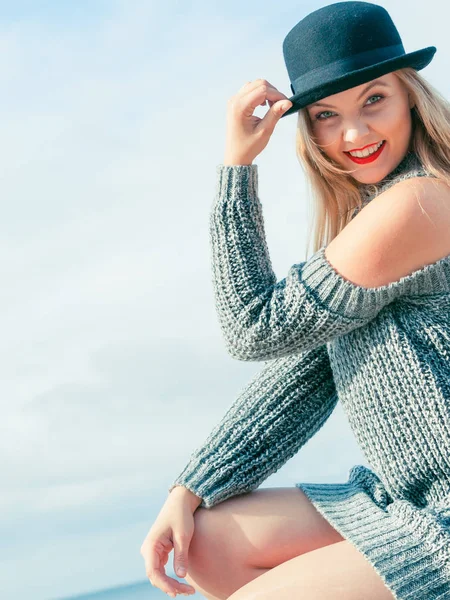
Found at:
(243, 537)
(334, 572)
(247, 574)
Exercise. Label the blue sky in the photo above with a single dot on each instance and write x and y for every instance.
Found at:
(113, 365)
(64, 14)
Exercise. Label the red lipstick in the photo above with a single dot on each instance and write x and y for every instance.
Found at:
(367, 159)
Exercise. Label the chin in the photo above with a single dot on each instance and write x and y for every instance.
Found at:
(369, 179)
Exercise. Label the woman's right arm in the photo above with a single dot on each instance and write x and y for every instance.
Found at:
(281, 408)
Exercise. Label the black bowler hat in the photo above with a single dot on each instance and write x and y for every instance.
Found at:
(341, 46)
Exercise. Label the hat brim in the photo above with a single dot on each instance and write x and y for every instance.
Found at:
(417, 60)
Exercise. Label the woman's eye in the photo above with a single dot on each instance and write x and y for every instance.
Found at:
(376, 96)
(322, 113)
(319, 115)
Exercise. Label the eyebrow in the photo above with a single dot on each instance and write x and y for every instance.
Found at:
(371, 85)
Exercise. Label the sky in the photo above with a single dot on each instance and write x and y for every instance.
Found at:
(113, 367)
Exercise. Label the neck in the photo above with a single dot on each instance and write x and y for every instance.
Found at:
(408, 163)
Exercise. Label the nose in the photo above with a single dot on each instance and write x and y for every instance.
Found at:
(355, 132)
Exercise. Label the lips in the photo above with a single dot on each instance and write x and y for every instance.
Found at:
(367, 159)
(364, 147)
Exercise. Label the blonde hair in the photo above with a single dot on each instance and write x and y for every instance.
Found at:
(336, 193)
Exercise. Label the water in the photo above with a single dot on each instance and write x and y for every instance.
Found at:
(135, 591)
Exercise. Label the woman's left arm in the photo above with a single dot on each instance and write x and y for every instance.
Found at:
(262, 318)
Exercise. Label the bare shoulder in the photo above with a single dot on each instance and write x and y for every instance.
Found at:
(403, 229)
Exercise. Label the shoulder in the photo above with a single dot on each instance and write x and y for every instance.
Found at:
(403, 229)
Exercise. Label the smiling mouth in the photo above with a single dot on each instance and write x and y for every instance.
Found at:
(370, 157)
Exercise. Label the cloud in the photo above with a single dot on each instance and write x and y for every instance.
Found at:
(113, 365)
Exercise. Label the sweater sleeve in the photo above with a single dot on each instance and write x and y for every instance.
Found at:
(281, 408)
(262, 318)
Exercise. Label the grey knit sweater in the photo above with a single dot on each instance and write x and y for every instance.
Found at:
(383, 352)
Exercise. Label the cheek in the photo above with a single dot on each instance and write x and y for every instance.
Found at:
(396, 121)
(325, 137)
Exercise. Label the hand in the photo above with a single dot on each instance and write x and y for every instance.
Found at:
(246, 134)
(173, 529)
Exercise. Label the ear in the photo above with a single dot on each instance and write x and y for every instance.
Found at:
(411, 102)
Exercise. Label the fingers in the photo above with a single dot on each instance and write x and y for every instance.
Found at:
(254, 98)
(256, 93)
(155, 557)
(247, 134)
(260, 83)
(254, 84)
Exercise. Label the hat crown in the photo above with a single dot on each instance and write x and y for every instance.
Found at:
(336, 32)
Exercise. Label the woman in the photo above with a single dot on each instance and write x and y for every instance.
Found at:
(365, 320)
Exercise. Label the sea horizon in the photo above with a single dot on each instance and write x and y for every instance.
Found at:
(138, 590)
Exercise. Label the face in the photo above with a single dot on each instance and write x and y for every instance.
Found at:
(361, 118)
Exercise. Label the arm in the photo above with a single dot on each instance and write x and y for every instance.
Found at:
(262, 318)
(281, 408)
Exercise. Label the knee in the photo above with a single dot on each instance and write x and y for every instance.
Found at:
(210, 548)
(200, 546)
(201, 573)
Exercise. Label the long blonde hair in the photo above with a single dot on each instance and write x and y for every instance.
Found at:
(336, 193)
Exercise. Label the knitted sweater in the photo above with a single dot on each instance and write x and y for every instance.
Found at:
(384, 352)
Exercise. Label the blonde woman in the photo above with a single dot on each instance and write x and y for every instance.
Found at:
(365, 321)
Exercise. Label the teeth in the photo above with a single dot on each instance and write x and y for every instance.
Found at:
(367, 151)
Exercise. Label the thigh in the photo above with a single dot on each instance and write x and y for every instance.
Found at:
(263, 528)
(335, 572)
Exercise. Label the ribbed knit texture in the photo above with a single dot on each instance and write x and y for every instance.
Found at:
(384, 352)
